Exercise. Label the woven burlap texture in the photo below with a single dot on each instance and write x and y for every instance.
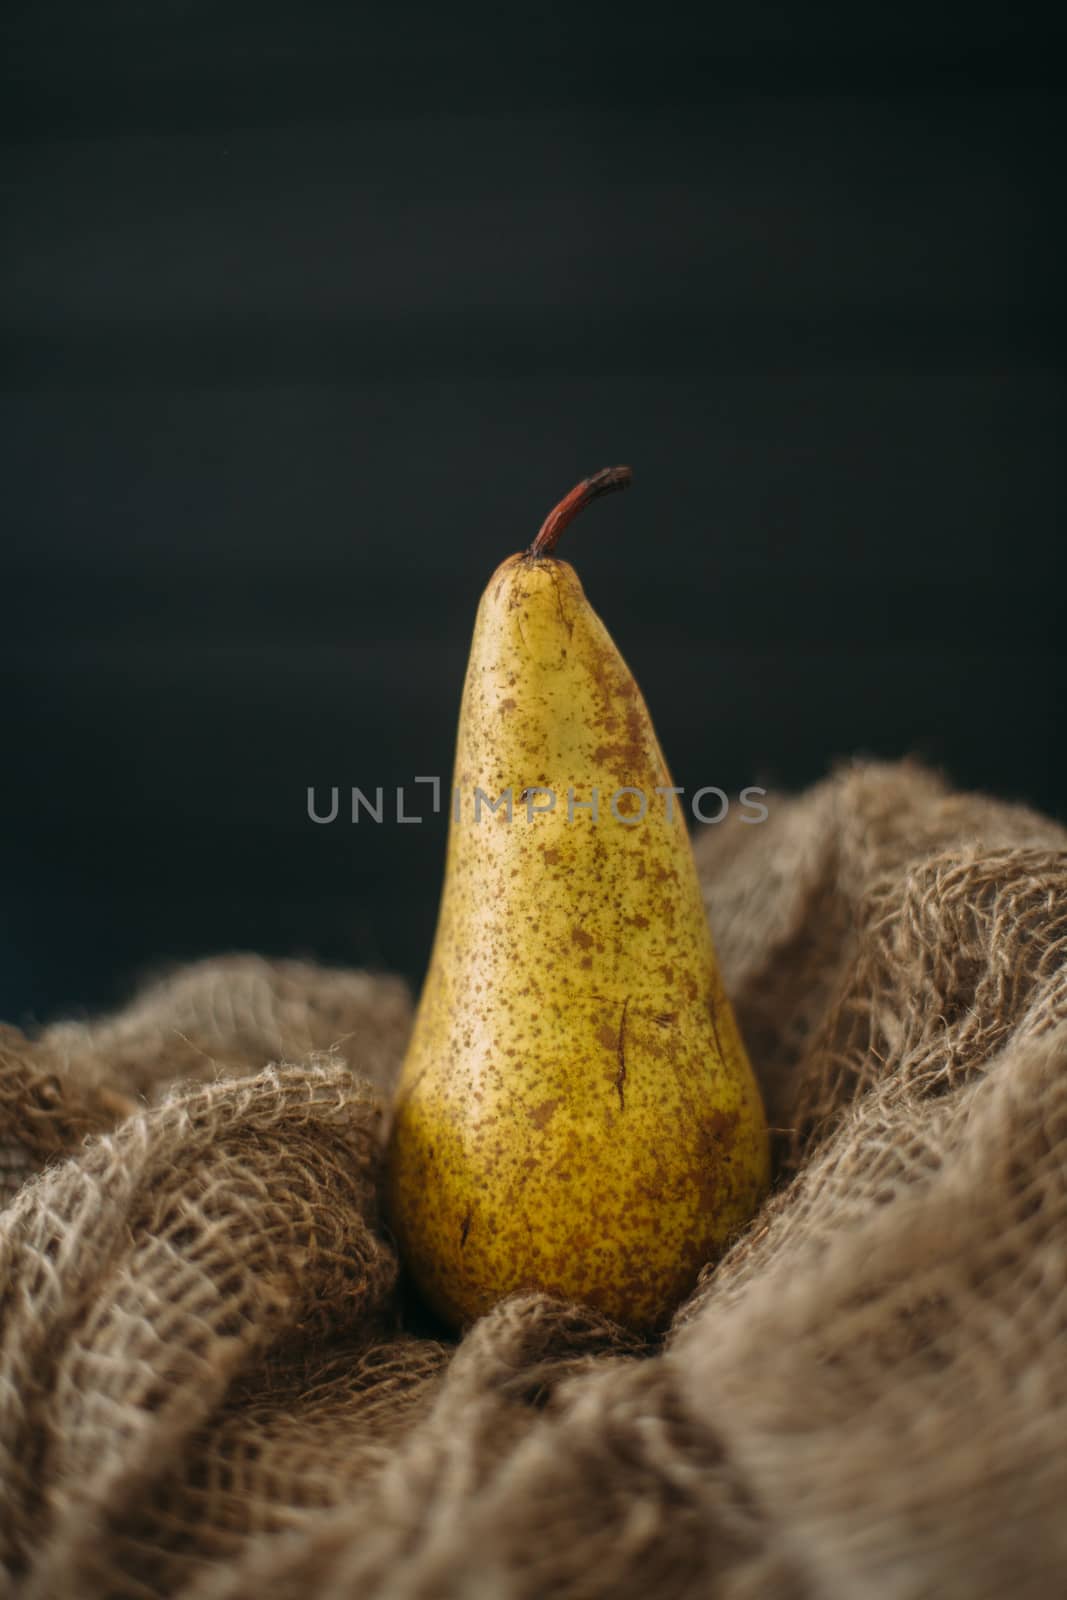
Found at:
(213, 1386)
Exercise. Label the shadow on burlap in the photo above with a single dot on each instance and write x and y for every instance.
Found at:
(210, 1388)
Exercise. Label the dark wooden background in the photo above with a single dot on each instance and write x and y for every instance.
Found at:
(308, 314)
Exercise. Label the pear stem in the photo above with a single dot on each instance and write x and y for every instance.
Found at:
(606, 481)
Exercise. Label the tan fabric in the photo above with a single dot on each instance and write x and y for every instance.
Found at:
(212, 1386)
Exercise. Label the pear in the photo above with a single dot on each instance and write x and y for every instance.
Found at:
(576, 1113)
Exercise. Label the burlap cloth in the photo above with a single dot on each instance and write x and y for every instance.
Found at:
(211, 1386)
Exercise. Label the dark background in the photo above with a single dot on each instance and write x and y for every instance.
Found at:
(309, 314)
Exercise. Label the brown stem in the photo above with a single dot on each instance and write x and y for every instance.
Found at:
(605, 481)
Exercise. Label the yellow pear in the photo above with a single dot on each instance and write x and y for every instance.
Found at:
(576, 1112)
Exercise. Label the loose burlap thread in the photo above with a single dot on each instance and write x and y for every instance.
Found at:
(214, 1385)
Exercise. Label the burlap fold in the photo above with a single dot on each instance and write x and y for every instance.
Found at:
(213, 1386)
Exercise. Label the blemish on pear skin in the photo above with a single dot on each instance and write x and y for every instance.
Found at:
(465, 1227)
(583, 940)
(541, 1115)
(620, 1076)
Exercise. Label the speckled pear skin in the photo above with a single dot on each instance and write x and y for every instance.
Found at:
(576, 1112)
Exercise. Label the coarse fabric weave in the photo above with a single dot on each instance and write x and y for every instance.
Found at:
(214, 1383)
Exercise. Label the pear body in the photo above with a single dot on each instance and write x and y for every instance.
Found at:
(576, 1112)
